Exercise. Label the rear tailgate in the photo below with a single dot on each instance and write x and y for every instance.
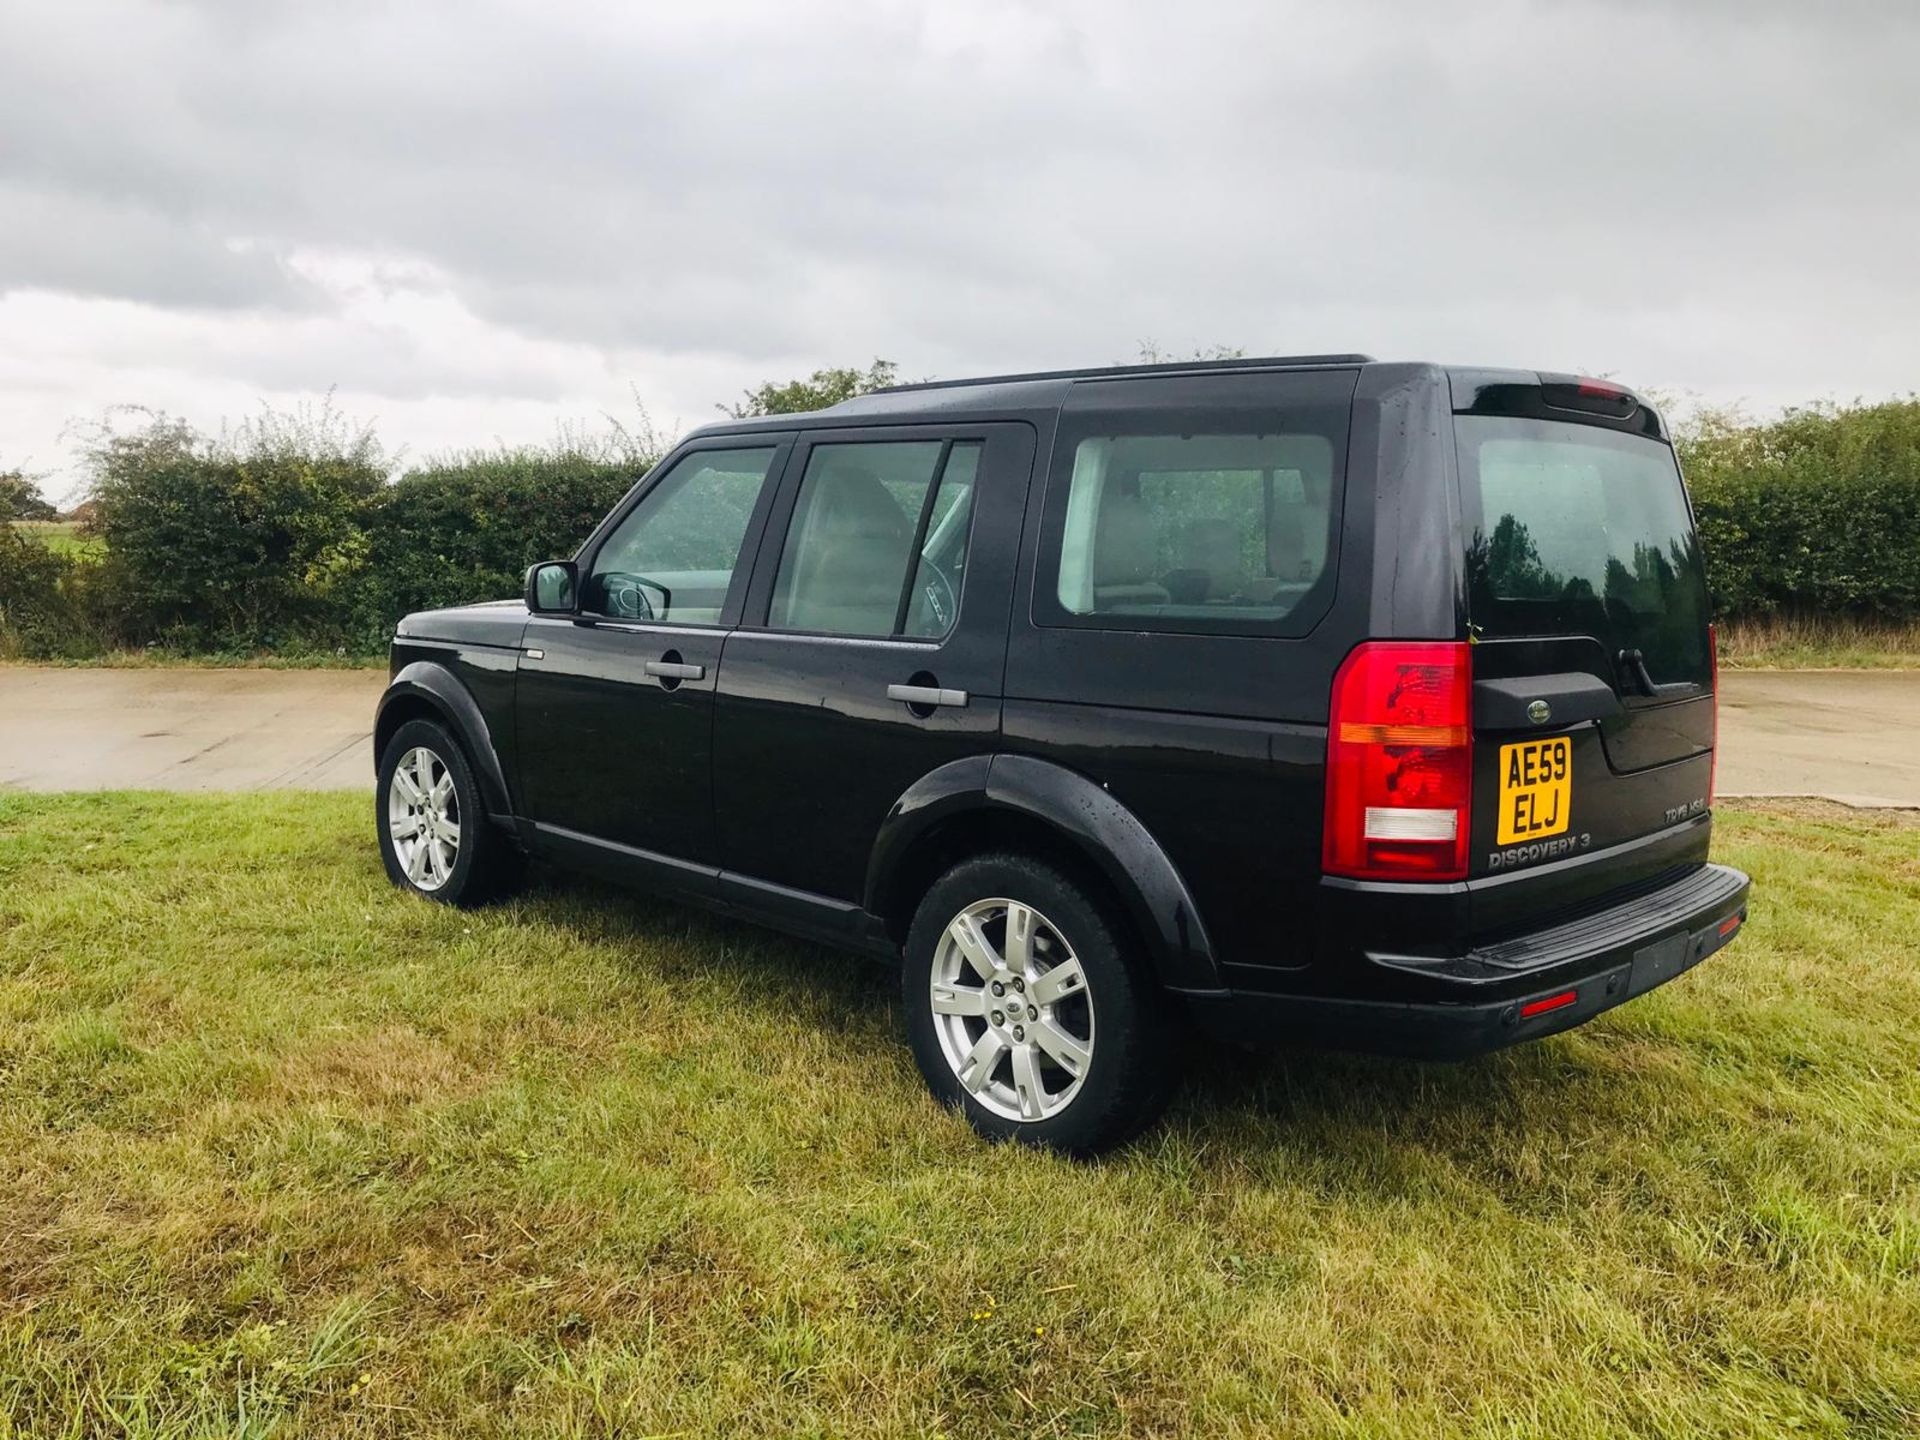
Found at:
(1593, 704)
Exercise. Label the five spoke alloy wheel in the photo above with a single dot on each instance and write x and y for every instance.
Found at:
(1011, 1009)
(423, 818)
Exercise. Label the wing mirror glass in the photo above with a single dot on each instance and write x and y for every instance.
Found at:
(553, 588)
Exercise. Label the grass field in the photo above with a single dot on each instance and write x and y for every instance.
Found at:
(61, 535)
(1812, 644)
(157, 658)
(284, 1152)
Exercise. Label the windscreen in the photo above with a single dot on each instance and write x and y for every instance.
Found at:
(1577, 530)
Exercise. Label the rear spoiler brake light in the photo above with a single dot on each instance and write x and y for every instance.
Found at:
(1594, 397)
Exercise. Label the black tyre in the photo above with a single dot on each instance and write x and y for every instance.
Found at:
(435, 837)
(1028, 1008)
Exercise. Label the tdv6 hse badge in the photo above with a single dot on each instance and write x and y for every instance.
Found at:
(1536, 802)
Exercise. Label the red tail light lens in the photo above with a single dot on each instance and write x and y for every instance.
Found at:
(1400, 762)
(1713, 663)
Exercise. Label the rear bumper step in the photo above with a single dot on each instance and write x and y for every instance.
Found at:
(1520, 989)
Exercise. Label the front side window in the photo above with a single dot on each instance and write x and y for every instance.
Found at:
(877, 544)
(1194, 531)
(673, 557)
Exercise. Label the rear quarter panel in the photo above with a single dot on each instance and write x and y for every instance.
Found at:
(1217, 743)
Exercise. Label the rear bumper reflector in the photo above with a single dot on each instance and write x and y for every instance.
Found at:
(1550, 1002)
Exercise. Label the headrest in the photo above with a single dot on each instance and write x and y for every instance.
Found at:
(1123, 552)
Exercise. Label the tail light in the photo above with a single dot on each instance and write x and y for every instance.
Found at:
(1400, 762)
(1713, 663)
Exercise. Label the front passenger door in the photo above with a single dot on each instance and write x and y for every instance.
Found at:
(615, 703)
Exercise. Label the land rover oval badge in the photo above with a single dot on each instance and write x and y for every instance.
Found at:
(1539, 712)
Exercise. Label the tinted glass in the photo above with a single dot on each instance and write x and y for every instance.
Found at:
(933, 601)
(672, 559)
(1195, 528)
(1576, 530)
(844, 566)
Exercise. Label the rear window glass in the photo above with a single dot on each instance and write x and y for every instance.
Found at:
(1195, 529)
(1576, 530)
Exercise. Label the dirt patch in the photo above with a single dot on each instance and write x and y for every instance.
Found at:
(389, 1068)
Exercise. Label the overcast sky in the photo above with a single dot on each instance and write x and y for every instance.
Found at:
(476, 220)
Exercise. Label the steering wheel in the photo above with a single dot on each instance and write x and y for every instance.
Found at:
(626, 595)
(937, 595)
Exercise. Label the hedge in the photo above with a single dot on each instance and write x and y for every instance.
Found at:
(287, 535)
(1816, 513)
(467, 529)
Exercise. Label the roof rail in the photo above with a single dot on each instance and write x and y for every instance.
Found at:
(1175, 367)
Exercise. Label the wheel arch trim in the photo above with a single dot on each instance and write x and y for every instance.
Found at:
(1086, 818)
(424, 684)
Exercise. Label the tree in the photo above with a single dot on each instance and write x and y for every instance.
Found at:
(20, 498)
(818, 391)
(1152, 354)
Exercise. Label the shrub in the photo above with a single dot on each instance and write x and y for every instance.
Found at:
(466, 527)
(1815, 513)
(248, 541)
(44, 610)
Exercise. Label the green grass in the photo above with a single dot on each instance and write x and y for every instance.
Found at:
(285, 1152)
(159, 658)
(61, 536)
(1816, 644)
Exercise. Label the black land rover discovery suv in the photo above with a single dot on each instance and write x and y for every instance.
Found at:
(1313, 699)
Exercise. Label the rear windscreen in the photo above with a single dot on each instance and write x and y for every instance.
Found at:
(1576, 530)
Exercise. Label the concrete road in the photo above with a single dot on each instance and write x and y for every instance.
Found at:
(1849, 735)
(182, 729)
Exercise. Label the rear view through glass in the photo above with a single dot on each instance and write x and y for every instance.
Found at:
(1195, 527)
(1577, 530)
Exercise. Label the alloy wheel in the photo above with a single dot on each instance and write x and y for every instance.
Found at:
(1011, 1009)
(423, 817)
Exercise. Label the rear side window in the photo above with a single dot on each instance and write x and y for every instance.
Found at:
(1577, 530)
(1198, 505)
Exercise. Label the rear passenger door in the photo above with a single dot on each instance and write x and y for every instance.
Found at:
(872, 646)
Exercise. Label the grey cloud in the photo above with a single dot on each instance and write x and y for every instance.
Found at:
(1010, 184)
(97, 245)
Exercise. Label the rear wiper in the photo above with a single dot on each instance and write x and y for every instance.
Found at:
(1633, 665)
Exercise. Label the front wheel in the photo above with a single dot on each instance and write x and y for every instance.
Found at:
(1027, 1008)
(435, 838)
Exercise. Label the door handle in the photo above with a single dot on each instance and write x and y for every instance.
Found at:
(927, 695)
(676, 670)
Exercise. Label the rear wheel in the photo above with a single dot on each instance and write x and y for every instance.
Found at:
(1027, 1008)
(435, 838)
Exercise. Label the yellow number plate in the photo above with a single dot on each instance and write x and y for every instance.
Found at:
(1536, 789)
